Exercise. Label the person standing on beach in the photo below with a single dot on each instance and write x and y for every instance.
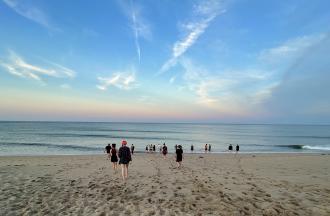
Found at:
(107, 150)
(124, 159)
(164, 151)
(209, 147)
(132, 149)
(237, 148)
(159, 147)
(192, 148)
(114, 157)
(154, 148)
(206, 148)
(179, 156)
(230, 147)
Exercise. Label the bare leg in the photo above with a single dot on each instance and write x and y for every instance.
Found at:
(123, 171)
(126, 171)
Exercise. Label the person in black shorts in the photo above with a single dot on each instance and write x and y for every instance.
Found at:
(124, 154)
(114, 157)
(237, 148)
(179, 156)
(164, 150)
(132, 149)
(107, 150)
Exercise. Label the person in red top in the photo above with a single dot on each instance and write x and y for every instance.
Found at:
(124, 154)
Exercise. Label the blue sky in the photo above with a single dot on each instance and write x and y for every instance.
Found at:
(237, 61)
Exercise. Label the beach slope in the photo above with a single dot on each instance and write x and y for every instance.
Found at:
(207, 184)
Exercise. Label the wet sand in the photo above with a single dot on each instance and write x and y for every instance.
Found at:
(207, 184)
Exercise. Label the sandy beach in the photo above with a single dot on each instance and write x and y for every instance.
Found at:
(207, 184)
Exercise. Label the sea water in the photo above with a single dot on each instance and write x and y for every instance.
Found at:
(68, 138)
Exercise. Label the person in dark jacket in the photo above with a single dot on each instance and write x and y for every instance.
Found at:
(124, 154)
(179, 155)
(164, 151)
(107, 150)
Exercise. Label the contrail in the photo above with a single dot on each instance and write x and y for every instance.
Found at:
(136, 34)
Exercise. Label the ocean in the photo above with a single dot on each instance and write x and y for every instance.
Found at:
(75, 138)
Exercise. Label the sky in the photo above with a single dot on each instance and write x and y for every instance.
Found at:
(217, 61)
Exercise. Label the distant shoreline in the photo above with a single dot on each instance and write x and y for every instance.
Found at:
(173, 154)
(141, 122)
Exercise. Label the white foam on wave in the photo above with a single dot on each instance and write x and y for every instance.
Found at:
(326, 148)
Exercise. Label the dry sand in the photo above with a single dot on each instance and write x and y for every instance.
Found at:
(261, 184)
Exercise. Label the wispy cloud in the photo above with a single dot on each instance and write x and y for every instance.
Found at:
(205, 12)
(227, 91)
(140, 27)
(16, 65)
(31, 12)
(303, 90)
(121, 80)
(136, 35)
(290, 49)
(247, 90)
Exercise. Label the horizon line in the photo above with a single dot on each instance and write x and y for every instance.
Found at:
(141, 122)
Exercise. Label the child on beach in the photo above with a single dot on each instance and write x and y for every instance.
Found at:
(205, 148)
(124, 159)
(114, 157)
(179, 156)
(132, 149)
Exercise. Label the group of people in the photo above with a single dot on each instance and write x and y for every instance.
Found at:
(152, 148)
(124, 155)
(230, 148)
(178, 152)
